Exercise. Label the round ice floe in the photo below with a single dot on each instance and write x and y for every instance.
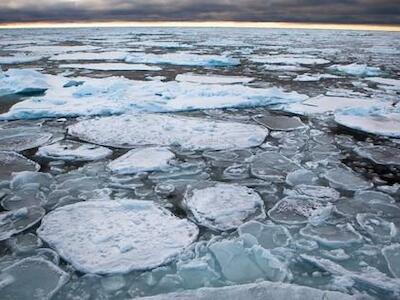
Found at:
(381, 155)
(223, 206)
(272, 166)
(392, 257)
(377, 227)
(73, 151)
(345, 179)
(331, 235)
(385, 124)
(16, 221)
(32, 278)
(269, 236)
(11, 162)
(22, 138)
(320, 192)
(165, 130)
(295, 210)
(116, 236)
(142, 160)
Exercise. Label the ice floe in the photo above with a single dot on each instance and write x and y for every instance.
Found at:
(288, 59)
(111, 67)
(212, 79)
(255, 291)
(19, 59)
(377, 227)
(142, 160)
(381, 155)
(32, 278)
(223, 206)
(328, 104)
(356, 69)
(16, 221)
(392, 257)
(11, 162)
(109, 55)
(50, 49)
(16, 81)
(183, 59)
(22, 138)
(73, 151)
(272, 166)
(116, 236)
(314, 77)
(282, 123)
(346, 179)
(384, 124)
(386, 82)
(167, 130)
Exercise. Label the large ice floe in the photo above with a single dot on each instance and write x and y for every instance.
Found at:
(329, 104)
(142, 160)
(212, 79)
(289, 59)
(116, 236)
(256, 291)
(166, 130)
(32, 278)
(22, 138)
(73, 151)
(183, 58)
(375, 122)
(223, 206)
(19, 59)
(111, 67)
(356, 69)
(116, 95)
(108, 55)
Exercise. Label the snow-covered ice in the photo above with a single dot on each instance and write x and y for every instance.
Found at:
(288, 59)
(212, 79)
(25, 81)
(167, 130)
(346, 179)
(142, 160)
(111, 67)
(109, 55)
(19, 59)
(22, 138)
(223, 206)
(381, 155)
(356, 69)
(73, 151)
(108, 237)
(12, 162)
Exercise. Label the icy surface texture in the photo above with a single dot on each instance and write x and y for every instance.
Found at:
(116, 236)
(11, 162)
(223, 206)
(142, 160)
(168, 130)
(22, 138)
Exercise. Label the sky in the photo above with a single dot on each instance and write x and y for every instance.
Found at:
(315, 11)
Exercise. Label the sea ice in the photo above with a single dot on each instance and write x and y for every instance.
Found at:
(16, 221)
(111, 67)
(212, 79)
(50, 49)
(223, 206)
(272, 166)
(378, 124)
(183, 59)
(323, 193)
(345, 179)
(33, 278)
(295, 210)
(256, 291)
(142, 160)
(392, 257)
(332, 235)
(386, 82)
(328, 104)
(11, 162)
(18, 59)
(288, 59)
(268, 236)
(22, 138)
(314, 77)
(116, 236)
(73, 151)
(22, 81)
(282, 123)
(377, 227)
(381, 155)
(110, 55)
(167, 130)
(356, 69)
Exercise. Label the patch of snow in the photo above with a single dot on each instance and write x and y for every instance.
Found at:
(212, 79)
(111, 67)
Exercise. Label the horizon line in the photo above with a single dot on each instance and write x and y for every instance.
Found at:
(200, 24)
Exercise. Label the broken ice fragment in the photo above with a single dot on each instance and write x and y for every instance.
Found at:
(33, 278)
(356, 69)
(345, 179)
(73, 151)
(377, 227)
(109, 237)
(212, 79)
(111, 67)
(392, 257)
(272, 166)
(282, 123)
(22, 138)
(381, 155)
(142, 160)
(166, 130)
(16, 221)
(11, 162)
(223, 206)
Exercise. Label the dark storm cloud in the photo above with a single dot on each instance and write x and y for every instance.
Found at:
(338, 11)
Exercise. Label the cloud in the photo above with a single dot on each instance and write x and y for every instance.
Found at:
(338, 11)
